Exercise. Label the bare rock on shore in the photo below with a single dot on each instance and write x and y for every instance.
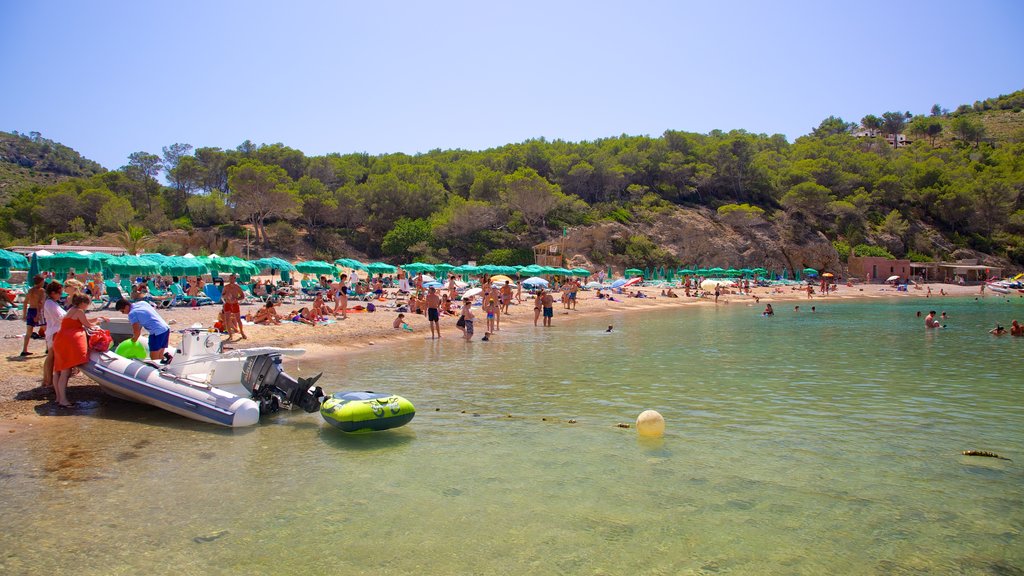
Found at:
(699, 237)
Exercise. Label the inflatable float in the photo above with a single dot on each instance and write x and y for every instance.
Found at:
(360, 412)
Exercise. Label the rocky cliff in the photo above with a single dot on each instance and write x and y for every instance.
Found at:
(697, 236)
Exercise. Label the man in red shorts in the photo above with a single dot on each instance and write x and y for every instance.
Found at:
(231, 296)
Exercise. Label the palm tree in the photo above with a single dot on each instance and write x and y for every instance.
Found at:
(133, 238)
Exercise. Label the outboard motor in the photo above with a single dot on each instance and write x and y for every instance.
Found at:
(273, 389)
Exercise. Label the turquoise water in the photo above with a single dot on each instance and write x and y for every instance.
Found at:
(800, 444)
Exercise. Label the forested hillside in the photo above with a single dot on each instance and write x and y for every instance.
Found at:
(957, 185)
(30, 159)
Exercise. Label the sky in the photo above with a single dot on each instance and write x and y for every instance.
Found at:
(111, 78)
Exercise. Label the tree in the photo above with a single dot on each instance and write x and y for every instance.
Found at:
(968, 130)
(208, 209)
(404, 235)
(939, 111)
(143, 168)
(185, 178)
(531, 195)
(133, 238)
(925, 127)
(872, 123)
(894, 224)
(115, 214)
(807, 198)
(893, 124)
(831, 126)
(259, 192)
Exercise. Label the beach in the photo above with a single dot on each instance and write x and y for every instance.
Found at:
(24, 402)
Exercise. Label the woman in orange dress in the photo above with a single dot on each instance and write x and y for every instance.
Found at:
(71, 345)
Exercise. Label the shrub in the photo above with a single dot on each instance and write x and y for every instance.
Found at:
(843, 249)
(508, 257)
(183, 223)
(864, 250)
(283, 236)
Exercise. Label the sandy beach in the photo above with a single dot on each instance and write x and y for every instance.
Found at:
(23, 402)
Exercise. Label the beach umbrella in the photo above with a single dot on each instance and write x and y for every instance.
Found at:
(13, 260)
(380, 268)
(128, 265)
(83, 261)
(350, 263)
(594, 285)
(535, 282)
(632, 281)
(827, 275)
(531, 270)
(581, 272)
(442, 270)
(687, 272)
(810, 272)
(180, 266)
(619, 283)
(316, 267)
(501, 279)
(154, 256)
(274, 263)
(417, 267)
(633, 272)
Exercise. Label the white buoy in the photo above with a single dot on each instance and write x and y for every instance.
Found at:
(651, 424)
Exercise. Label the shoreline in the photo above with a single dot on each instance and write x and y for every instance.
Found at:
(23, 403)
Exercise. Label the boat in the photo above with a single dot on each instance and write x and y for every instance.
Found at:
(360, 412)
(203, 382)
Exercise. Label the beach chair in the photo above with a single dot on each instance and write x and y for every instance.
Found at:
(8, 311)
(213, 293)
(113, 294)
(185, 299)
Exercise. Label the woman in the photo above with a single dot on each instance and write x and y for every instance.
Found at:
(537, 305)
(267, 315)
(53, 313)
(341, 297)
(403, 281)
(71, 345)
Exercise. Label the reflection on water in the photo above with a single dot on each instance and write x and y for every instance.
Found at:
(799, 444)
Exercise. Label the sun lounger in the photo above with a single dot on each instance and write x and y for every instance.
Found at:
(213, 293)
(186, 300)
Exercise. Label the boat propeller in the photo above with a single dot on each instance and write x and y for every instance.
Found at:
(274, 389)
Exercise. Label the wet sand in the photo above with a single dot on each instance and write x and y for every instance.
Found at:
(23, 402)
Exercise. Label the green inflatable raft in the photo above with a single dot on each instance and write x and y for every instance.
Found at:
(360, 412)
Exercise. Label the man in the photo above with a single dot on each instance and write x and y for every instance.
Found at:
(231, 296)
(433, 312)
(548, 303)
(33, 304)
(143, 315)
(506, 296)
(930, 321)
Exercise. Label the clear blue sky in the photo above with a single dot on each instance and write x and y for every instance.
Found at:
(110, 78)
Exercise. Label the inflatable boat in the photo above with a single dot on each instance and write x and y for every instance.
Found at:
(204, 383)
(360, 412)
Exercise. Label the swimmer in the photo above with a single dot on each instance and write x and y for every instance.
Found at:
(812, 309)
(487, 336)
(918, 313)
(998, 331)
(609, 329)
(796, 309)
(1016, 329)
(930, 321)
(768, 311)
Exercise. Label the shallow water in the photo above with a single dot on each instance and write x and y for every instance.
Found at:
(800, 444)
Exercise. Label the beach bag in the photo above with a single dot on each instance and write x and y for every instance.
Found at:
(100, 340)
(461, 323)
(370, 307)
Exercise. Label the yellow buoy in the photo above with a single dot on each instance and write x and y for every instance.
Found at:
(651, 424)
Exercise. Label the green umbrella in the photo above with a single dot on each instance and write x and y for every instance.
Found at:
(380, 268)
(716, 271)
(33, 267)
(154, 256)
(581, 272)
(14, 260)
(417, 267)
(274, 264)
(531, 270)
(630, 272)
(442, 270)
(350, 263)
(78, 261)
(128, 265)
(316, 267)
(181, 266)
(810, 272)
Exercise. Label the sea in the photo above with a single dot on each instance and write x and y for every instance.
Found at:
(824, 442)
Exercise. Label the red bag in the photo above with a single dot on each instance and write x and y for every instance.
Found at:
(100, 340)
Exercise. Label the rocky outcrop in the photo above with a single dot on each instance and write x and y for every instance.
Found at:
(698, 237)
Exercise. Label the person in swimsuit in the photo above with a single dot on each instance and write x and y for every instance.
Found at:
(506, 296)
(537, 306)
(467, 316)
(341, 297)
(71, 344)
(231, 296)
(433, 304)
(34, 299)
(548, 303)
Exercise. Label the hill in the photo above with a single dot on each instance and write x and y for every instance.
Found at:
(27, 160)
(720, 199)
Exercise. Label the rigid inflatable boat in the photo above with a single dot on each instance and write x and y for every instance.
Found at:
(205, 383)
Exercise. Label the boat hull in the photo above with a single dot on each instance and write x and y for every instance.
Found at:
(146, 383)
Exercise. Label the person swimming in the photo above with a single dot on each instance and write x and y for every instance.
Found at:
(609, 329)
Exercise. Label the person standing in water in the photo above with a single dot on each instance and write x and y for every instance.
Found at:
(467, 317)
(548, 303)
(433, 312)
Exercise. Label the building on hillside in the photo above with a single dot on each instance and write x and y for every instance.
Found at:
(877, 269)
(60, 248)
(967, 272)
(901, 139)
(548, 253)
